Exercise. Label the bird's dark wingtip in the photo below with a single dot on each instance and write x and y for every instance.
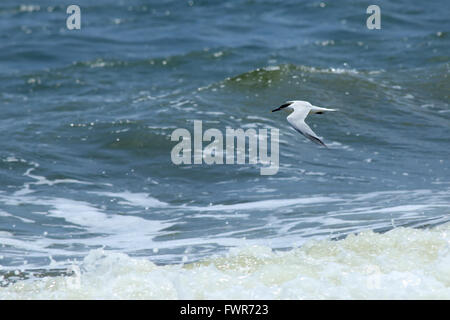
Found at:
(317, 140)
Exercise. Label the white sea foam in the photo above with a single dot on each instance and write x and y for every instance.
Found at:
(134, 199)
(266, 204)
(284, 222)
(403, 263)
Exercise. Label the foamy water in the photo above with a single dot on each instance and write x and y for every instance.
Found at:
(403, 263)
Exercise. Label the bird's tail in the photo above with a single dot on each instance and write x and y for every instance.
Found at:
(320, 110)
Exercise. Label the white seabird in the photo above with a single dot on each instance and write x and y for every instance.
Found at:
(299, 110)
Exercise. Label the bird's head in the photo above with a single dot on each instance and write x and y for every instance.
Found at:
(291, 106)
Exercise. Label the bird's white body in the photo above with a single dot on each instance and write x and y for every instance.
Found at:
(299, 110)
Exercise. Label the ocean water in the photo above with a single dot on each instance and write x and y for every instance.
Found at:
(91, 205)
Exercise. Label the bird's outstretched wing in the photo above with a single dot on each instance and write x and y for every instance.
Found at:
(297, 121)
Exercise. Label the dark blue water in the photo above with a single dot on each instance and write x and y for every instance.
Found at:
(86, 119)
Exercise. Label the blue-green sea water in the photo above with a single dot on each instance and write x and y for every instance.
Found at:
(87, 117)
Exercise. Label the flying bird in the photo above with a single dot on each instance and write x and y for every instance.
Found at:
(299, 110)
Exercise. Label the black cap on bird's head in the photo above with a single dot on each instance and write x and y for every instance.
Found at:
(287, 104)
